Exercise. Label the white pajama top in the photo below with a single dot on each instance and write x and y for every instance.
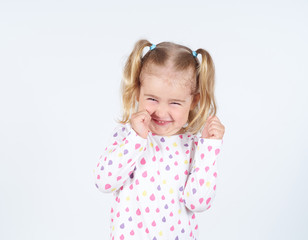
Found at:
(158, 183)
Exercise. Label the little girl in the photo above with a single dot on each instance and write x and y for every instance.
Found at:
(160, 163)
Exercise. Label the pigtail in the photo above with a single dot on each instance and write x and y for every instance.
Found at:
(206, 88)
(130, 82)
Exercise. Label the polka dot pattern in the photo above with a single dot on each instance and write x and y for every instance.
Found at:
(158, 183)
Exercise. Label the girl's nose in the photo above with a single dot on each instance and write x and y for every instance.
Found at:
(161, 112)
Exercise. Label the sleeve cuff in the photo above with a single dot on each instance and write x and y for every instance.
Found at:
(134, 137)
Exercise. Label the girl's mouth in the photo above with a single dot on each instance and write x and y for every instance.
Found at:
(161, 122)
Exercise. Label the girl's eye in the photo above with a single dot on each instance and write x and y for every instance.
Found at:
(175, 103)
(151, 99)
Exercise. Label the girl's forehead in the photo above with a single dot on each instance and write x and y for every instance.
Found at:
(165, 88)
(169, 74)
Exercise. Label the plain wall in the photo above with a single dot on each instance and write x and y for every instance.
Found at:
(60, 70)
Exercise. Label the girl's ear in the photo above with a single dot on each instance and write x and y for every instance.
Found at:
(195, 101)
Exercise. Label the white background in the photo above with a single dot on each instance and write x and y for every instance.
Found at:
(60, 70)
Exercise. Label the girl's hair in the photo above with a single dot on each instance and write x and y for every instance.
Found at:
(182, 59)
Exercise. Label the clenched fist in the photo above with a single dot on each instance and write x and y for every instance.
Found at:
(213, 129)
(140, 123)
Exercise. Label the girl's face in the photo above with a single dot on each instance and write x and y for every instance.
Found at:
(166, 95)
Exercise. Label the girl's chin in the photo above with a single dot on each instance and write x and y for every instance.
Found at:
(164, 132)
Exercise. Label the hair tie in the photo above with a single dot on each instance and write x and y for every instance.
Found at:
(194, 53)
(152, 47)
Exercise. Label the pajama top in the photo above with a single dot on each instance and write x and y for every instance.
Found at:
(158, 183)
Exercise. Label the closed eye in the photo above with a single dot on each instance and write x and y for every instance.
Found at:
(151, 99)
(176, 103)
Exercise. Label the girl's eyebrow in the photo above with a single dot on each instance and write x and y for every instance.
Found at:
(173, 99)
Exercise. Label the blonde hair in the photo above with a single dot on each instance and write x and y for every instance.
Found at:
(182, 59)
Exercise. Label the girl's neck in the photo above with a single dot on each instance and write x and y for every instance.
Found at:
(180, 132)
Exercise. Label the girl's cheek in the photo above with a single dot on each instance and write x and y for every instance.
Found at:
(141, 106)
(181, 115)
(150, 107)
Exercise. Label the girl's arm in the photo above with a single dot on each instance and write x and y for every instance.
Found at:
(117, 162)
(200, 187)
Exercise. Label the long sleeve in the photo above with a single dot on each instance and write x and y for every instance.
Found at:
(200, 187)
(117, 162)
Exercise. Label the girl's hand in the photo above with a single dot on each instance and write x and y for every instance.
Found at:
(213, 129)
(140, 123)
